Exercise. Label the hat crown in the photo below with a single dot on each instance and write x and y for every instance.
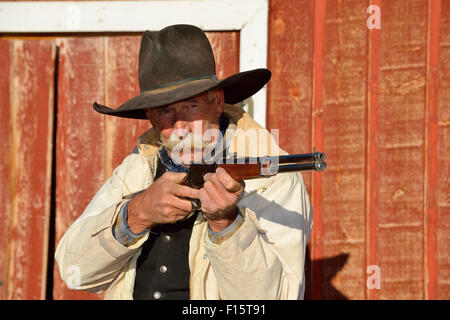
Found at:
(174, 54)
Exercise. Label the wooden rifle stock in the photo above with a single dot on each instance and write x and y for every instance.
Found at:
(242, 171)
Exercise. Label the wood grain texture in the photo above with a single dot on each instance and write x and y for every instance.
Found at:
(430, 148)
(5, 78)
(30, 138)
(289, 92)
(290, 57)
(399, 147)
(225, 46)
(343, 114)
(317, 138)
(441, 196)
(80, 145)
(121, 84)
(373, 104)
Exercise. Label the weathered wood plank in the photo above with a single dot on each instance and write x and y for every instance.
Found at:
(320, 8)
(343, 105)
(80, 144)
(399, 178)
(290, 60)
(373, 104)
(289, 92)
(5, 61)
(442, 192)
(430, 148)
(121, 84)
(31, 112)
(226, 52)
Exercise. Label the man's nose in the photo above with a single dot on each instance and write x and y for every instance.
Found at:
(181, 128)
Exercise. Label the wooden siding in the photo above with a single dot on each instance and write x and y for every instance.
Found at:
(376, 102)
(26, 95)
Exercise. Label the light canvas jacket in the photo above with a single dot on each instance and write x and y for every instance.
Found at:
(263, 259)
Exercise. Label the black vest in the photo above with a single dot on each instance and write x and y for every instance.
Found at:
(162, 270)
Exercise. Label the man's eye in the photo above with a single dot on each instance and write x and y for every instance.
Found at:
(191, 106)
(164, 111)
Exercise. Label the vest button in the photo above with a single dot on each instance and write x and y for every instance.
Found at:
(167, 238)
(156, 294)
(163, 269)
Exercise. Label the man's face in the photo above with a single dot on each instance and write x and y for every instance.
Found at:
(185, 128)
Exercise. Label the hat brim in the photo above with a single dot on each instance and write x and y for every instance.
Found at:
(236, 88)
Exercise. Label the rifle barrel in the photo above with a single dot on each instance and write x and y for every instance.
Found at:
(314, 166)
(290, 158)
(300, 158)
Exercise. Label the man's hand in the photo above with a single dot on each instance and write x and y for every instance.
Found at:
(161, 203)
(219, 196)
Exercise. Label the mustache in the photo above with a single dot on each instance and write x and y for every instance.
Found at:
(190, 141)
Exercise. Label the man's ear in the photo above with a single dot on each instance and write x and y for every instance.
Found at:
(147, 112)
(219, 101)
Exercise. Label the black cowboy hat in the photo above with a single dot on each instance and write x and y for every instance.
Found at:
(177, 63)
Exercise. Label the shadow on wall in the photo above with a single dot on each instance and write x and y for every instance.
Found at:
(330, 267)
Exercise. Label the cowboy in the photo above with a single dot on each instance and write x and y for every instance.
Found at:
(142, 236)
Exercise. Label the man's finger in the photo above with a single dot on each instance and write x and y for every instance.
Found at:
(176, 177)
(181, 206)
(214, 189)
(184, 191)
(227, 181)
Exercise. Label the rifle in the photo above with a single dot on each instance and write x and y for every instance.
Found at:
(252, 168)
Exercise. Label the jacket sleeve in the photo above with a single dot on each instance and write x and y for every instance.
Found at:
(88, 255)
(264, 258)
